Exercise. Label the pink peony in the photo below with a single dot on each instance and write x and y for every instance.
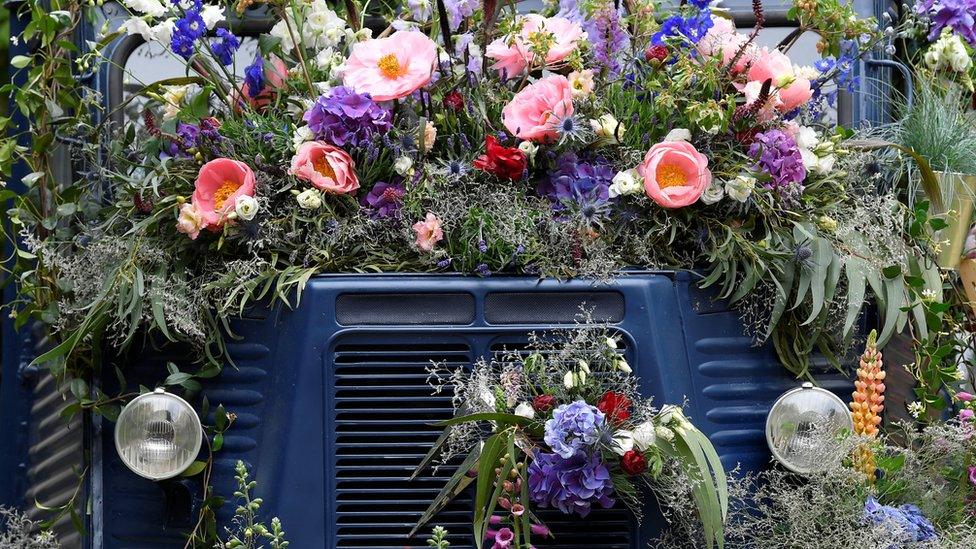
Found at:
(723, 41)
(326, 167)
(429, 232)
(218, 185)
(675, 174)
(512, 58)
(533, 113)
(392, 67)
(190, 221)
(794, 90)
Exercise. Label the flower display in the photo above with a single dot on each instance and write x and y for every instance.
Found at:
(392, 67)
(675, 174)
(778, 156)
(534, 113)
(219, 183)
(326, 167)
(343, 117)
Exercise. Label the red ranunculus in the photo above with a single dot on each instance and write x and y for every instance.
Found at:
(543, 403)
(633, 462)
(502, 162)
(454, 100)
(616, 406)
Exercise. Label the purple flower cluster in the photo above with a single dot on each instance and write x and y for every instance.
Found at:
(609, 39)
(574, 181)
(571, 485)
(458, 10)
(777, 154)
(959, 15)
(911, 525)
(343, 117)
(384, 199)
(573, 427)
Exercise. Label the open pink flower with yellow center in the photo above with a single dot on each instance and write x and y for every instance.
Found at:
(534, 112)
(428, 232)
(793, 90)
(217, 187)
(327, 167)
(392, 67)
(512, 57)
(675, 174)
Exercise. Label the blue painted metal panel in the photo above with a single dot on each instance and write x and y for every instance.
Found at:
(333, 418)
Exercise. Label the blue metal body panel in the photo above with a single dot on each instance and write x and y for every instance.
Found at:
(333, 418)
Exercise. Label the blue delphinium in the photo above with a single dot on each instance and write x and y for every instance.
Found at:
(254, 76)
(187, 30)
(693, 28)
(224, 46)
(571, 485)
(910, 524)
(574, 427)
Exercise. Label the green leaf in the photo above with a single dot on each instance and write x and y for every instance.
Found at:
(455, 485)
(854, 268)
(194, 469)
(494, 447)
(823, 258)
(783, 289)
(894, 291)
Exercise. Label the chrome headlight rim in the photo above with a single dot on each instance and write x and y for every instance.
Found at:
(196, 437)
(805, 387)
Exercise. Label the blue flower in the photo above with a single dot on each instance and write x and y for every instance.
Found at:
(907, 522)
(573, 182)
(224, 46)
(254, 76)
(571, 485)
(182, 45)
(573, 427)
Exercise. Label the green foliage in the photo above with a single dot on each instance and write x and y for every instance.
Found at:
(249, 532)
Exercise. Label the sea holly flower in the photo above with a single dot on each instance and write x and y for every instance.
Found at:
(392, 67)
(574, 427)
(219, 183)
(343, 117)
(533, 112)
(675, 174)
(326, 167)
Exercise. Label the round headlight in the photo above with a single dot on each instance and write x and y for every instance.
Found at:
(158, 435)
(796, 423)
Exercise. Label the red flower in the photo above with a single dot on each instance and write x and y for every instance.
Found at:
(454, 101)
(543, 403)
(633, 462)
(502, 162)
(656, 54)
(616, 406)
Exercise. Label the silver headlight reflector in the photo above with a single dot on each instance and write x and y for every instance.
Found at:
(797, 424)
(158, 435)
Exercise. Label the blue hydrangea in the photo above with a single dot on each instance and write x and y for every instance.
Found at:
(574, 427)
(571, 485)
(908, 523)
(224, 46)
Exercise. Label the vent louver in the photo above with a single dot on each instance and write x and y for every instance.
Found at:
(382, 411)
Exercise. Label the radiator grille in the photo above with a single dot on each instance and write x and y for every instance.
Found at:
(382, 410)
(552, 307)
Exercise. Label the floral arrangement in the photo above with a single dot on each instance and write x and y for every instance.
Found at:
(561, 425)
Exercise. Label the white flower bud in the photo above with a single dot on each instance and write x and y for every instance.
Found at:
(626, 182)
(310, 199)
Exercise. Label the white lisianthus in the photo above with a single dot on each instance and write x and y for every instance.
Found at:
(246, 207)
(740, 187)
(529, 148)
(644, 436)
(154, 8)
(948, 52)
(608, 129)
(623, 442)
(303, 134)
(623, 366)
(211, 15)
(322, 28)
(403, 166)
(583, 366)
(626, 182)
(160, 32)
(664, 432)
(713, 193)
(310, 199)
(525, 410)
(818, 156)
(678, 134)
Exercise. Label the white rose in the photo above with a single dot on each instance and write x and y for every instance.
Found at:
(806, 137)
(246, 207)
(623, 442)
(302, 135)
(644, 436)
(403, 166)
(608, 130)
(678, 134)
(310, 199)
(713, 193)
(211, 15)
(525, 410)
(529, 148)
(626, 182)
(809, 158)
(740, 187)
(825, 163)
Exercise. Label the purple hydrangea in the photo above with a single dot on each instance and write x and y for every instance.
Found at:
(959, 15)
(573, 427)
(911, 525)
(343, 117)
(573, 181)
(385, 199)
(571, 485)
(777, 154)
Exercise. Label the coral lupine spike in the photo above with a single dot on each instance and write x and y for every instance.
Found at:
(868, 402)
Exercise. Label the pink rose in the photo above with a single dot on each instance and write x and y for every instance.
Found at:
(794, 90)
(675, 174)
(326, 167)
(534, 112)
(723, 41)
(429, 232)
(392, 67)
(217, 187)
(513, 58)
(190, 221)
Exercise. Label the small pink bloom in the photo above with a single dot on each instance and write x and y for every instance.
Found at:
(752, 90)
(190, 221)
(533, 113)
(965, 415)
(512, 58)
(794, 90)
(972, 474)
(518, 509)
(392, 67)
(326, 167)
(429, 232)
(964, 396)
(504, 537)
(675, 174)
(217, 187)
(722, 40)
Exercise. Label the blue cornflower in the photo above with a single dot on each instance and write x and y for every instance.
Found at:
(254, 76)
(224, 46)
